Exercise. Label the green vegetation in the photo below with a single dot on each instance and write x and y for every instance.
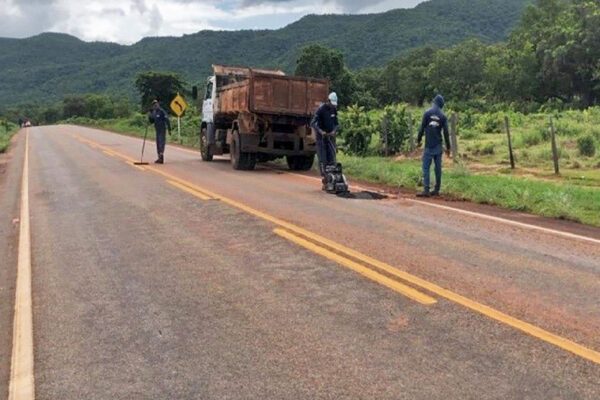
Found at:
(550, 60)
(162, 86)
(46, 68)
(7, 130)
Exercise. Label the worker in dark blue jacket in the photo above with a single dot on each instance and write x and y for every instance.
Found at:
(325, 123)
(433, 126)
(162, 125)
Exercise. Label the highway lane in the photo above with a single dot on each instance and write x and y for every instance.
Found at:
(148, 289)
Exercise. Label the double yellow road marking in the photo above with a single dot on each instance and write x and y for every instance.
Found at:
(361, 269)
(358, 262)
(189, 190)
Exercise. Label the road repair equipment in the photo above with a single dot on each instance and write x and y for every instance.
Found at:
(141, 162)
(334, 181)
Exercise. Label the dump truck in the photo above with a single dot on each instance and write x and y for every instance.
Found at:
(258, 115)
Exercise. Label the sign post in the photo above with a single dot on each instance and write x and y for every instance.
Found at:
(178, 106)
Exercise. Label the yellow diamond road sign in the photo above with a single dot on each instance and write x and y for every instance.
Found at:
(178, 105)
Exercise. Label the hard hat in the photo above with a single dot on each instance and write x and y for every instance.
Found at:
(333, 98)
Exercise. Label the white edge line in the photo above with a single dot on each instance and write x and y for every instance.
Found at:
(21, 385)
(508, 221)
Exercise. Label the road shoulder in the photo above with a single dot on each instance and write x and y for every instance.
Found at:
(11, 164)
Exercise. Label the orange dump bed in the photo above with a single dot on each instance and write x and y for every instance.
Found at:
(269, 93)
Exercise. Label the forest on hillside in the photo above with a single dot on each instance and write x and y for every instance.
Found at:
(48, 67)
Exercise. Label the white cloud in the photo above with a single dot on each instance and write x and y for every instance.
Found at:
(127, 21)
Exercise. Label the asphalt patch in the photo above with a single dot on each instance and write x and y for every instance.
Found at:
(363, 195)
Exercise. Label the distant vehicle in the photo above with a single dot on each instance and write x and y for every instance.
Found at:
(27, 124)
(260, 115)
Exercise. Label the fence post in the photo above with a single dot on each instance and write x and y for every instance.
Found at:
(410, 133)
(453, 136)
(510, 149)
(554, 148)
(385, 128)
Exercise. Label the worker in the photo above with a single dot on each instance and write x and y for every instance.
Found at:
(325, 125)
(434, 124)
(20, 122)
(159, 117)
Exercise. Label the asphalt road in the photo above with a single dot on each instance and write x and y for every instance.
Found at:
(194, 281)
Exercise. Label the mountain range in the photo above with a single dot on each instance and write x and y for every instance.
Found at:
(48, 66)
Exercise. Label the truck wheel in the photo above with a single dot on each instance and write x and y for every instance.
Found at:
(300, 163)
(241, 161)
(205, 149)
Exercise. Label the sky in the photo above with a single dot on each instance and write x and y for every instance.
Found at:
(128, 21)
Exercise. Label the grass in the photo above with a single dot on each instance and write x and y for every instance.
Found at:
(6, 134)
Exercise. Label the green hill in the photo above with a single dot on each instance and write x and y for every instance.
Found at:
(48, 66)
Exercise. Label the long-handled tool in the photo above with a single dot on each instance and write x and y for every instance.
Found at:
(143, 147)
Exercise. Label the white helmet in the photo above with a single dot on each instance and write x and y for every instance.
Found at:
(333, 98)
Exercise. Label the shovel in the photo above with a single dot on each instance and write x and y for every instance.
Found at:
(141, 162)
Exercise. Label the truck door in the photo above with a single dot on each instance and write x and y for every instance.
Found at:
(207, 104)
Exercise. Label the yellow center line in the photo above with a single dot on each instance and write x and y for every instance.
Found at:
(490, 312)
(191, 191)
(22, 385)
(361, 269)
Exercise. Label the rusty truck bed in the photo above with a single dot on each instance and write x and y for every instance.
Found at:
(275, 94)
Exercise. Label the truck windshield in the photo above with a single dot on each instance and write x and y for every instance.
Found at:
(209, 89)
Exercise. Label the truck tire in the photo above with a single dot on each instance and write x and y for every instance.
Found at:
(241, 161)
(300, 163)
(205, 150)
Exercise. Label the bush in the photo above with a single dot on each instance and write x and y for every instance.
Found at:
(468, 134)
(491, 123)
(394, 129)
(357, 130)
(586, 145)
(532, 138)
(488, 148)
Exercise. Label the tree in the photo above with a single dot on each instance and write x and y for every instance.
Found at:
(318, 61)
(564, 38)
(162, 86)
(74, 106)
(407, 79)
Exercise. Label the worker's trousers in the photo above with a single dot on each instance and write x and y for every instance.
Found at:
(432, 155)
(325, 151)
(161, 140)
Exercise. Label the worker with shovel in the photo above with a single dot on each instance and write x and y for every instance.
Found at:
(159, 117)
(434, 124)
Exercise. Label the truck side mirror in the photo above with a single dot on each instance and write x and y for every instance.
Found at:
(195, 92)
